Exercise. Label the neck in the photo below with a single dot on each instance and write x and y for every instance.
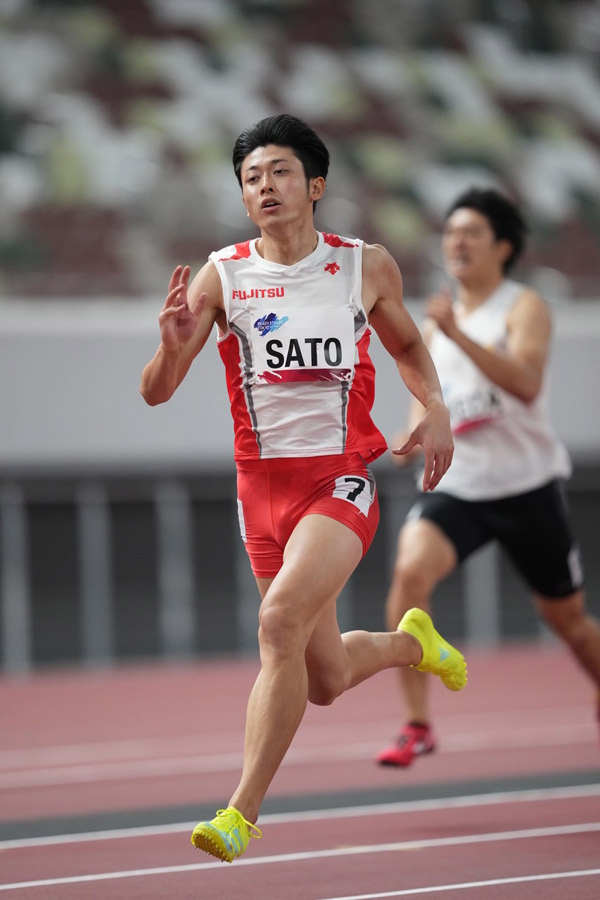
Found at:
(473, 294)
(287, 246)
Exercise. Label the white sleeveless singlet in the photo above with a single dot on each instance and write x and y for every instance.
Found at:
(503, 446)
(299, 376)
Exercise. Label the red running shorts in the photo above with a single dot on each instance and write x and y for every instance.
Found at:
(274, 494)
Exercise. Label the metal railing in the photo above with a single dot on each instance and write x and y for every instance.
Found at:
(183, 598)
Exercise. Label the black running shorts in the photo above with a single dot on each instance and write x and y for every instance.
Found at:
(533, 528)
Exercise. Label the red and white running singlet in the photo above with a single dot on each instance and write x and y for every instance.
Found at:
(300, 379)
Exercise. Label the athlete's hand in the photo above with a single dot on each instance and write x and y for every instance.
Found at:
(434, 435)
(439, 308)
(176, 319)
(403, 458)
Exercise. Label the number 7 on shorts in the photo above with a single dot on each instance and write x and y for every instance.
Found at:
(355, 489)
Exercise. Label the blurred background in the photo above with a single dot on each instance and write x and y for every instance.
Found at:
(118, 523)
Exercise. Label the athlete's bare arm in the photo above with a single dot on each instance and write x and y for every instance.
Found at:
(521, 370)
(416, 411)
(382, 298)
(185, 321)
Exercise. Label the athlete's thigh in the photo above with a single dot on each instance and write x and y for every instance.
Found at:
(535, 530)
(424, 548)
(450, 530)
(561, 613)
(320, 556)
(326, 658)
(318, 559)
(263, 586)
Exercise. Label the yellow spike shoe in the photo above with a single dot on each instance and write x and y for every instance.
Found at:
(439, 657)
(226, 836)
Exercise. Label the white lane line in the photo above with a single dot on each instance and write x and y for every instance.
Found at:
(466, 885)
(399, 807)
(463, 840)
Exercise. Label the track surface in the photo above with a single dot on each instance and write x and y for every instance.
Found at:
(103, 775)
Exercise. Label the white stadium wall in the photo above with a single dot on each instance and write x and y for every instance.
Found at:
(69, 378)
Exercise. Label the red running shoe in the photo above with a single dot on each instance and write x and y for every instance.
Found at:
(413, 740)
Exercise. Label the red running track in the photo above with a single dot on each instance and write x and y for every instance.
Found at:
(508, 808)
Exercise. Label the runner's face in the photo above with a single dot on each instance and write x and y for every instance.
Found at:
(274, 187)
(471, 250)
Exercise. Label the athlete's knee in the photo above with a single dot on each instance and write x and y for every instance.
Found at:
(321, 695)
(567, 618)
(424, 557)
(279, 632)
(412, 580)
(408, 588)
(323, 690)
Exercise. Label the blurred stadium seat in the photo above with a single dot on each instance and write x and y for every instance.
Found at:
(117, 120)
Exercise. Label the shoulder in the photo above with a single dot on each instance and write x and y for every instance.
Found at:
(379, 266)
(376, 256)
(528, 303)
(207, 281)
(529, 315)
(381, 276)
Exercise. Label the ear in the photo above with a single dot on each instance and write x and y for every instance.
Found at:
(505, 249)
(317, 188)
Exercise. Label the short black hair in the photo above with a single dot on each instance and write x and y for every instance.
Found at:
(284, 131)
(503, 215)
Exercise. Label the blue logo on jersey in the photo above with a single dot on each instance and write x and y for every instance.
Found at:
(269, 323)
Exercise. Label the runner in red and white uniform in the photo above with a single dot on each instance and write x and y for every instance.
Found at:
(293, 309)
(297, 333)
